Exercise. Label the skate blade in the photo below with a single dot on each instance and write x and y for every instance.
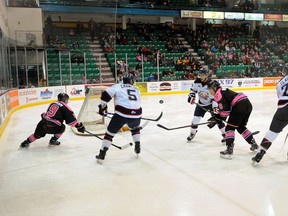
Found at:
(254, 164)
(99, 161)
(20, 148)
(227, 157)
(52, 146)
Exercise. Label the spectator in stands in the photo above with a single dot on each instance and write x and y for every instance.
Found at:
(75, 44)
(138, 67)
(151, 77)
(124, 40)
(71, 32)
(79, 27)
(134, 41)
(107, 46)
(30, 85)
(49, 20)
(91, 28)
(49, 25)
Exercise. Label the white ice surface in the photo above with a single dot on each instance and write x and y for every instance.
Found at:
(170, 178)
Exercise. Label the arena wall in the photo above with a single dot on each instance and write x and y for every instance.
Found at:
(14, 100)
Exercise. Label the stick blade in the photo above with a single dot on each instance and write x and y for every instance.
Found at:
(126, 146)
(255, 132)
(162, 126)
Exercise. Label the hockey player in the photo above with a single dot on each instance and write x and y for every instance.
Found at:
(238, 107)
(279, 121)
(52, 122)
(127, 111)
(205, 101)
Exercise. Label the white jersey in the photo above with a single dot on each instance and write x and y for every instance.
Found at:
(200, 88)
(282, 92)
(127, 99)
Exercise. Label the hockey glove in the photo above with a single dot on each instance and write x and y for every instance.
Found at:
(191, 98)
(103, 109)
(215, 119)
(211, 124)
(80, 127)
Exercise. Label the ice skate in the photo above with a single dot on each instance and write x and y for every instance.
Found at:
(191, 136)
(227, 154)
(100, 158)
(137, 148)
(258, 157)
(254, 146)
(24, 145)
(53, 142)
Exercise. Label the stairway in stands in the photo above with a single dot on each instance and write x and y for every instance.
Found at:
(101, 61)
(190, 50)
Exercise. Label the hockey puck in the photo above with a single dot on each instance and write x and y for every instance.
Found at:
(161, 101)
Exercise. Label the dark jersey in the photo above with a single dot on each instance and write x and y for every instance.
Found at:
(228, 100)
(59, 112)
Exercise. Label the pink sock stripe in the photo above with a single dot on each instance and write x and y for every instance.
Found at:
(32, 138)
(58, 135)
(230, 134)
(246, 133)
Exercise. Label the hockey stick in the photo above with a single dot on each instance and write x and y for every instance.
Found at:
(149, 119)
(284, 143)
(180, 127)
(116, 146)
(253, 133)
(207, 110)
(141, 126)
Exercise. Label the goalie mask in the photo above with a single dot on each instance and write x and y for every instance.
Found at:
(63, 97)
(128, 79)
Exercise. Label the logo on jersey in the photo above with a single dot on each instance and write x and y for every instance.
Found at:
(220, 106)
(204, 95)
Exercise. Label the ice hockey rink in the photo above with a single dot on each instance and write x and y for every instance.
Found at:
(171, 177)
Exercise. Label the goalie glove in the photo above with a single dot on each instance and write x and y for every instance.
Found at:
(80, 127)
(191, 98)
(103, 109)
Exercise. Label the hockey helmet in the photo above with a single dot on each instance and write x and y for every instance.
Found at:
(128, 79)
(214, 85)
(203, 71)
(63, 97)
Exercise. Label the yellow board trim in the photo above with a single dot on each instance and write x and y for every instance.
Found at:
(3, 126)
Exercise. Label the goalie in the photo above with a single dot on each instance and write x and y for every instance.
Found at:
(128, 111)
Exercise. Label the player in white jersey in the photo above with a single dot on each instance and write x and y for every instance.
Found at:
(200, 87)
(127, 111)
(279, 121)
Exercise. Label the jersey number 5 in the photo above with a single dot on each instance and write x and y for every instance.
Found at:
(131, 94)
